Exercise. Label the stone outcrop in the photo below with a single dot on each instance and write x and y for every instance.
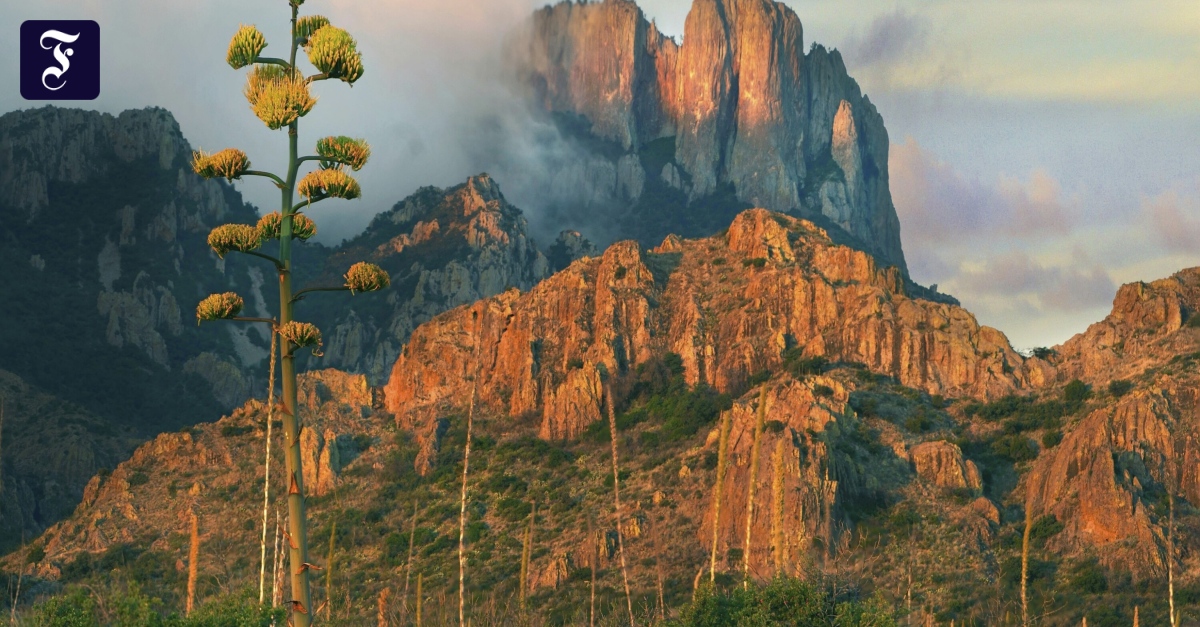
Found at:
(443, 248)
(744, 103)
(729, 305)
(941, 464)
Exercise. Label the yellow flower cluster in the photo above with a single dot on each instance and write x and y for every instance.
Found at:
(219, 307)
(303, 335)
(278, 96)
(347, 150)
(302, 226)
(245, 46)
(366, 277)
(332, 182)
(230, 163)
(334, 52)
(307, 25)
(233, 237)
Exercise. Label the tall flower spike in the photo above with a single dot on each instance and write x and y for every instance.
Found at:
(230, 163)
(245, 46)
(278, 96)
(366, 277)
(233, 237)
(347, 150)
(334, 52)
(303, 335)
(331, 182)
(219, 307)
(307, 25)
(269, 226)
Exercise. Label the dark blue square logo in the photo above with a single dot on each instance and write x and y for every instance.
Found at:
(60, 60)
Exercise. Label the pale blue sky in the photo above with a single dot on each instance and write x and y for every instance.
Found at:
(1043, 151)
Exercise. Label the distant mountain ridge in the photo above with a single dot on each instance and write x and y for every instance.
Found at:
(741, 103)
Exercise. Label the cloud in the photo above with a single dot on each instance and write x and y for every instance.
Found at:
(938, 205)
(1075, 286)
(1175, 217)
(889, 39)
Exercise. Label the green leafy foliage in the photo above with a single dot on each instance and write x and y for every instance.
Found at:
(1119, 387)
(1077, 392)
(783, 601)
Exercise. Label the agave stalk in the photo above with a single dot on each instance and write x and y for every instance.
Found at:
(419, 598)
(462, 512)
(275, 564)
(412, 536)
(777, 531)
(525, 550)
(329, 572)
(262, 568)
(1025, 566)
(612, 430)
(193, 564)
(279, 96)
(594, 548)
(1171, 544)
(722, 462)
(760, 416)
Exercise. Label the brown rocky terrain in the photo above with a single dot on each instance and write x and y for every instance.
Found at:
(741, 101)
(730, 306)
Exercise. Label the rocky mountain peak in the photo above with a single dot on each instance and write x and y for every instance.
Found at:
(744, 104)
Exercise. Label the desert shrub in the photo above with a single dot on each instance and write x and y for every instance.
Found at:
(1194, 321)
(1015, 447)
(138, 478)
(1077, 391)
(1042, 352)
(796, 363)
(823, 390)
(1050, 439)
(757, 262)
(783, 601)
(1088, 577)
(918, 422)
(1045, 527)
(233, 431)
(1119, 387)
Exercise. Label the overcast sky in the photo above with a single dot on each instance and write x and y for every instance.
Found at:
(1043, 152)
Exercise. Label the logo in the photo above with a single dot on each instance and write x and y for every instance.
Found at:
(60, 60)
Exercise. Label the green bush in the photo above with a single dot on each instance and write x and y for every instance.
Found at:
(1089, 578)
(1050, 439)
(75, 609)
(138, 478)
(1015, 447)
(1045, 527)
(1119, 387)
(1077, 391)
(1042, 352)
(783, 601)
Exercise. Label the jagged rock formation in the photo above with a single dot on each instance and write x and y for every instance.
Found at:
(744, 103)
(1107, 481)
(729, 305)
(941, 463)
(443, 248)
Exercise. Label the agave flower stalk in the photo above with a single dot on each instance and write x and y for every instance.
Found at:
(612, 429)
(759, 417)
(722, 462)
(462, 513)
(279, 94)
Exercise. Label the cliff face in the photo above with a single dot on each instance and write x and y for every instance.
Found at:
(730, 306)
(745, 104)
(102, 245)
(443, 249)
(1109, 478)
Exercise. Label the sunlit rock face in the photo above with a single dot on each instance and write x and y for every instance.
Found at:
(744, 103)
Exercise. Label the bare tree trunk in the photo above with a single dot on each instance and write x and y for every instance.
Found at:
(262, 569)
(760, 416)
(1025, 566)
(722, 462)
(462, 513)
(193, 564)
(612, 428)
